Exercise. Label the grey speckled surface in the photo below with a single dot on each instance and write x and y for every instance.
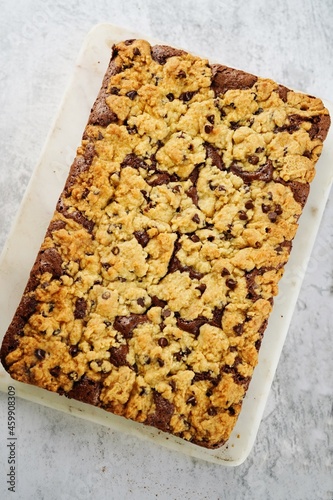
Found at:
(61, 457)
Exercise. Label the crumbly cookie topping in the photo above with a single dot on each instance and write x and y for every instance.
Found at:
(155, 281)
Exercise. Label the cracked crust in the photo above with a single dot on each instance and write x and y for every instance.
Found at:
(154, 284)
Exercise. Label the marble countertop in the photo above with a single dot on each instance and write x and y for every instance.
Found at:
(62, 457)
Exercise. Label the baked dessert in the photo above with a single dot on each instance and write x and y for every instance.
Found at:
(153, 286)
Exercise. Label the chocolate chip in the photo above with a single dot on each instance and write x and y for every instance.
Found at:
(178, 356)
(196, 218)
(231, 283)
(193, 194)
(242, 215)
(191, 401)
(257, 344)
(227, 235)
(142, 237)
(40, 354)
(136, 51)
(160, 362)
(199, 376)
(238, 329)
(80, 308)
(170, 96)
(159, 179)
(55, 371)
(249, 205)
(129, 41)
(181, 74)
(173, 386)
(141, 301)
(193, 274)
(73, 350)
(231, 411)
(133, 161)
(132, 94)
(115, 250)
(211, 119)
(225, 272)
(217, 317)
(195, 238)
(193, 177)
(253, 159)
(114, 90)
(126, 324)
(159, 145)
(187, 96)
(163, 342)
(265, 208)
(278, 209)
(166, 313)
(212, 411)
(191, 326)
(272, 216)
(234, 125)
(202, 287)
(208, 129)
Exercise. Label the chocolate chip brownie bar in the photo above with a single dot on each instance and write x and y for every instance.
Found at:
(153, 286)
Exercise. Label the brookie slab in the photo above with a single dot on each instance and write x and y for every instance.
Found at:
(155, 281)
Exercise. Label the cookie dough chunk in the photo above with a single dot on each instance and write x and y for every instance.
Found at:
(155, 281)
